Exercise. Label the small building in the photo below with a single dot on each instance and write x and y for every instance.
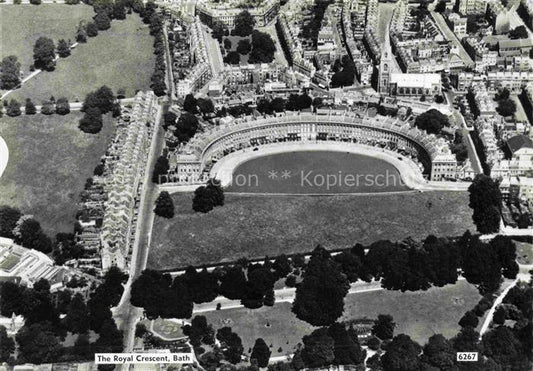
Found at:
(414, 84)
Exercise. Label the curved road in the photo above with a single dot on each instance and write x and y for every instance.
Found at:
(4, 155)
(409, 171)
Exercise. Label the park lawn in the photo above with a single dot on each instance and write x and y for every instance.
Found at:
(121, 58)
(255, 226)
(22, 25)
(49, 161)
(417, 314)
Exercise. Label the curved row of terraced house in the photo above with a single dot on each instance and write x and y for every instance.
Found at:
(194, 161)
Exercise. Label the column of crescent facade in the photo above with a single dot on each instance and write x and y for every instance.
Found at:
(194, 161)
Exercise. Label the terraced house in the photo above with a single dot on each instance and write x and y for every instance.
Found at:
(123, 189)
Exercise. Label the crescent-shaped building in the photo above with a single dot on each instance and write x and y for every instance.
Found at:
(193, 162)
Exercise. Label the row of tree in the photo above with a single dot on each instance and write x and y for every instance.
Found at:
(48, 317)
(405, 266)
(49, 107)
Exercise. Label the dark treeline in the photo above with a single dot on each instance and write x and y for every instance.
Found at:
(407, 266)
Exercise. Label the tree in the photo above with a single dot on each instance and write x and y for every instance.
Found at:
(232, 58)
(402, 354)
(244, 23)
(77, 319)
(431, 121)
(263, 48)
(384, 327)
(350, 265)
(469, 319)
(320, 296)
(92, 121)
(161, 168)
(440, 7)
(164, 206)
(347, 349)
(81, 33)
(244, 46)
(500, 315)
(29, 234)
(506, 107)
(119, 10)
(205, 105)
(233, 348)
(319, 349)
(261, 353)
(232, 283)
(29, 108)
(13, 109)
(37, 344)
(186, 127)
(63, 49)
(91, 29)
(47, 108)
(12, 300)
(227, 43)
(207, 197)
(519, 32)
(439, 352)
(485, 200)
(102, 21)
(190, 104)
(9, 73)
(282, 266)
(7, 345)
(44, 54)
(62, 106)
(502, 345)
(9, 217)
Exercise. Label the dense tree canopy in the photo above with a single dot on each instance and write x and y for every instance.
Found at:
(9, 73)
(485, 200)
(263, 48)
(44, 54)
(432, 121)
(320, 296)
(261, 353)
(244, 23)
(63, 49)
(164, 206)
(208, 197)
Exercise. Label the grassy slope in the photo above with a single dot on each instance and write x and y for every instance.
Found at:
(255, 226)
(49, 160)
(22, 25)
(418, 314)
(121, 57)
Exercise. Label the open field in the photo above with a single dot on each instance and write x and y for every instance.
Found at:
(167, 328)
(321, 172)
(418, 314)
(22, 25)
(49, 161)
(255, 226)
(121, 57)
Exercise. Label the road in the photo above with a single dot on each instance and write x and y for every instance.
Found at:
(443, 26)
(126, 315)
(285, 295)
(76, 106)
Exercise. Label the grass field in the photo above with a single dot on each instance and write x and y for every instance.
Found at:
(121, 57)
(255, 226)
(321, 172)
(22, 25)
(49, 161)
(418, 314)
